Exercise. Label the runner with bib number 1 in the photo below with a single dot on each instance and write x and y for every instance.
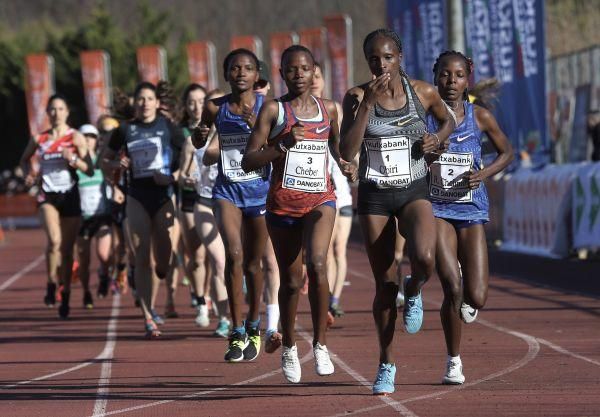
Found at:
(296, 133)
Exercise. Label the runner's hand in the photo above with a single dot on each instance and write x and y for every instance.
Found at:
(200, 136)
(67, 154)
(348, 169)
(375, 88)
(296, 135)
(188, 181)
(118, 196)
(124, 163)
(248, 115)
(431, 143)
(474, 178)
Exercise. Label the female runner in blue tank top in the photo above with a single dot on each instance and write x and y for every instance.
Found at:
(385, 120)
(460, 204)
(239, 197)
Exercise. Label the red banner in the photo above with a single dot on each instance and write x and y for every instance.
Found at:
(97, 83)
(152, 63)
(202, 63)
(339, 39)
(252, 43)
(315, 39)
(278, 43)
(39, 86)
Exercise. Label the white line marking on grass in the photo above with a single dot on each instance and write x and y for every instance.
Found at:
(21, 273)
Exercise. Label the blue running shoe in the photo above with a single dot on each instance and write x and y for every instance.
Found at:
(384, 381)
(157, 318)
(413, 310)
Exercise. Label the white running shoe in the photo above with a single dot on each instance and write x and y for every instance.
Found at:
(454, 375)
(202, 319)
(290, 364)
(468, 314)
(323, 364)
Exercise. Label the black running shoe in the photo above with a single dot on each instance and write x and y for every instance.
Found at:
(50, 297)
(63, 309)
(235, 350)
(252, 350)
(88, 302)
(103, 286)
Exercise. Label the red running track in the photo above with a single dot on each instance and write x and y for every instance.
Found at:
(532, 352)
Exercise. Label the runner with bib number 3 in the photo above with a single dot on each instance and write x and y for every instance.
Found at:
(296, 133)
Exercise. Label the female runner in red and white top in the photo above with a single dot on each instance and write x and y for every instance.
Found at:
(62, 151)
(296, 133)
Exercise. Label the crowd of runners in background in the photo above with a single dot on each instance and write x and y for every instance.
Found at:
(247, 198)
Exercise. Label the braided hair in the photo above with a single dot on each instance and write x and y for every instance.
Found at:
(385, 33)
(468, 65)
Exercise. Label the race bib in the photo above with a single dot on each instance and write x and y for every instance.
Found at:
(55, 173)
(92, 202)
(447, 181)
(306, 167)
(388, 161)
(146, 156)
(232, 152)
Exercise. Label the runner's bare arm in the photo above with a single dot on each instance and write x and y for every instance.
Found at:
(24, 162)
(201, 133)
(258, 153)
(211, 154)
(432, 102)
(81, 160)
(487, 123)
(347, 168)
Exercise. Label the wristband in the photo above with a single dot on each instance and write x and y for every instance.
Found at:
(281, 147)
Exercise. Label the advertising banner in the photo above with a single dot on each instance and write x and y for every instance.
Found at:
(315, 39)
(39, 86)
(250, 42)
(339, 41)
(152, 63)
(202, 64)
(97, 83)
(586, 207)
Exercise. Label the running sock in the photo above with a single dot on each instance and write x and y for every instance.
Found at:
(333, 300)
(120, 267)
(239, 330)
(201, 300)
(272, 316)
(253, 324)
(454, 359)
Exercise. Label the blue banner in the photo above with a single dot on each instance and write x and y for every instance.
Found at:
(422, 27)
(505, 38)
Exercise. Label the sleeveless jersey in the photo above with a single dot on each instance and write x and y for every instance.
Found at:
(390, 155)
(94, 193)
(57, 175)
(449, 192)
(232, 183)
(300, 180)
(205, 176)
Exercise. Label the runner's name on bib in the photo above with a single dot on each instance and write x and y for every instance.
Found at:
(146, 156)
(388, 161)
(56, 176)
(232, 152)
(92, 201)
(306, 167)
(447, 180)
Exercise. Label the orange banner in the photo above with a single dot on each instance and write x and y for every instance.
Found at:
(339, 40)
(250, 42)
(152, 63)
(278, 42)
(202, 63)
(39, 86)
(315, 39)
(97, 83)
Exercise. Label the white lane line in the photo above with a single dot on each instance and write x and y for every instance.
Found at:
(545, 342)
(564, 351)
(305, 358)
(107, 356)
(99, 358)
(389, 402)
(22, 272)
